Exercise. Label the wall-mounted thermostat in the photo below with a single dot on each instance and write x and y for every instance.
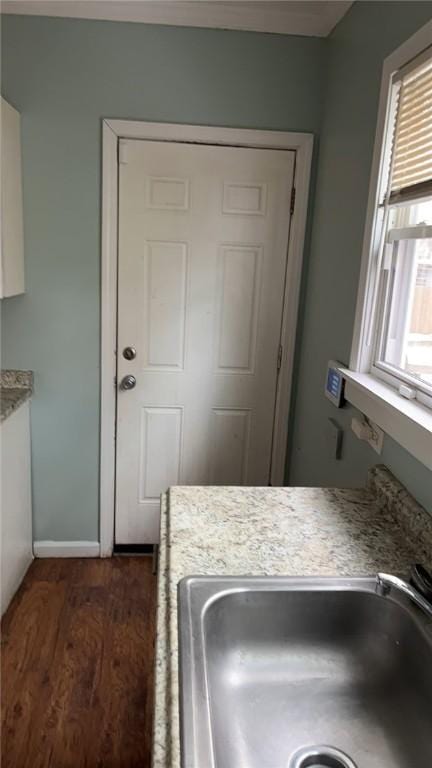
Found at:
(335, 384)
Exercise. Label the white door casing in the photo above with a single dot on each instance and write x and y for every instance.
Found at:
(113, 130)
(203, 237)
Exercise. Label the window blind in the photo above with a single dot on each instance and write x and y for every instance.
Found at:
(411, 165)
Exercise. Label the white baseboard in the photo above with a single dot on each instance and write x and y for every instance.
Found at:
(66, 549)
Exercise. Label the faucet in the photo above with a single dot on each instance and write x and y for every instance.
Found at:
(385, 582)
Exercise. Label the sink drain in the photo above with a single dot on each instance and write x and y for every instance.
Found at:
(320, 757)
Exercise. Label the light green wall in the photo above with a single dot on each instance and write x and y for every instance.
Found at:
(64, 76)
(369, 32)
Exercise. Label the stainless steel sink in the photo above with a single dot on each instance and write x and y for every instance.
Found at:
(303, 673)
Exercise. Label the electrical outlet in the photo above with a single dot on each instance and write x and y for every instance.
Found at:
(376, 438)
(367, 430)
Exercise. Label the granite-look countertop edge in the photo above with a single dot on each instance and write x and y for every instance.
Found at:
(162, 688)
(15, 379)
(414, 520)
(15, 388)
(265, 531)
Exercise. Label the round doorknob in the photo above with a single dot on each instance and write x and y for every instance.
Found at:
(128, 382)
(129, 353)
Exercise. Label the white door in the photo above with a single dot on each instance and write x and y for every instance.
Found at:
(203, 235)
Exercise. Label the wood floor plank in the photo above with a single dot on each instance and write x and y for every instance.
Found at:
(77, 665)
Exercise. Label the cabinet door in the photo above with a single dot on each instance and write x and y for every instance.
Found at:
(12, 238)
(15, 498)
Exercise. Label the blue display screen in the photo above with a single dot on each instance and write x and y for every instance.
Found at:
(334, 380)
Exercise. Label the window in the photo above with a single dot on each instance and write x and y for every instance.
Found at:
(389, 378)
(400, 323)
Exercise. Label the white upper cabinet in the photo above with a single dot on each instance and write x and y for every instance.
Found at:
(12, 236)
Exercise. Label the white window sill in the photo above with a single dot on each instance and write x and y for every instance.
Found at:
(408, 422)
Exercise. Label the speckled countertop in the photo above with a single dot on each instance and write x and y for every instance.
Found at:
(274, 531)
(15, 388)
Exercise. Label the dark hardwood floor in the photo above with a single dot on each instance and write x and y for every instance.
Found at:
(77, 665)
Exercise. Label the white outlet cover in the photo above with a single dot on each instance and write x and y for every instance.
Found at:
(368, 431)
(377, 439)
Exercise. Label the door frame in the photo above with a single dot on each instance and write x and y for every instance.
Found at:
(112, 132)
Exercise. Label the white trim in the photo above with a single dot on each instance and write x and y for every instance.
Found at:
(406, 421)
(113, 130)
(362, 346)
(396, 377)
(205, 134)
(290, 309)
(66, 549)
(108, 337)
(279, 18)
(409, 233)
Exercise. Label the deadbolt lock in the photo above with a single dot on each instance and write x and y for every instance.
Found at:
(129, 353)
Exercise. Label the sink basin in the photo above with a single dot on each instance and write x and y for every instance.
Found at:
(302, 673)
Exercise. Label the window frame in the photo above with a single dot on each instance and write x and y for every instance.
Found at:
(367, 328)
(379, 367)
(373, 391)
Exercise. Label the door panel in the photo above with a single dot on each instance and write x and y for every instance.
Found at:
(203, 233)
(229, 447)
(165, 271)
(238, 305)
(160, 450)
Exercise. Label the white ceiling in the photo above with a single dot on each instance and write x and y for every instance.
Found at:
(308, 17)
